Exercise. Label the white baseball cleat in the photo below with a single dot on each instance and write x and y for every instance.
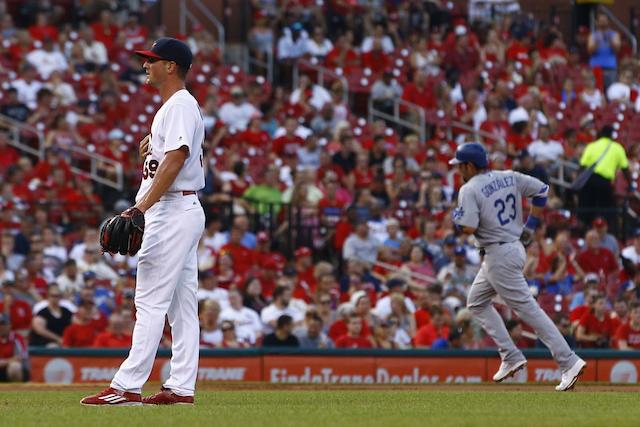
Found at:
(508, 370)
(571, 375)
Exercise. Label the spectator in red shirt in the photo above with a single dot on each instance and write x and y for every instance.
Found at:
(243, 257)
(115, 336)
(628, 334)
(429, 333)
(8, 155)
(42, 29)
(343, 55)
(352, 338)
(419, 92)
(287, 145)
(105, 31)
(595, 327)
(376, 59)
(596, 259)
(18, 310)
(82, 332)
(464, 56)
(13, 353)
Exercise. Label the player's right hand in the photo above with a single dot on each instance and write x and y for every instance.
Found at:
(144, 146)
(526, 237)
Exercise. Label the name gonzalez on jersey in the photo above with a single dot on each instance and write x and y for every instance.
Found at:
(497, 184)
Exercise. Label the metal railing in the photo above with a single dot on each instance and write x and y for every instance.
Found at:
(76, 155)
(478, 133)
(16, 129)
(561, 173)
(98, 165)
(187, 14)
(621, 27)
(419, 128)
(251, 61)
(323, 73)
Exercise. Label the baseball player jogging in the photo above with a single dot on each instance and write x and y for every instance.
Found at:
(490, 208)
(169, 213)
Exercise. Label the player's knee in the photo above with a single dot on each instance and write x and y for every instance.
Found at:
(14, 372)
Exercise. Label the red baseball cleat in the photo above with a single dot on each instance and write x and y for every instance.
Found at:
(112, 397)
(167, 397)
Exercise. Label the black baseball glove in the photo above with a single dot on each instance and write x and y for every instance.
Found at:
(123, 233)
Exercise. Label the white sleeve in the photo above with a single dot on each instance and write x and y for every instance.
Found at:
(180, 124)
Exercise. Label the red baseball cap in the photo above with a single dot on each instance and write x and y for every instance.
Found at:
(599, 222)
(303, 251)
(270, 264)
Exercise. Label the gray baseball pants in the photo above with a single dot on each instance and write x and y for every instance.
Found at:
(501, 273)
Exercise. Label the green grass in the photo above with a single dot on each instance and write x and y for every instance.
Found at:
(394, 408)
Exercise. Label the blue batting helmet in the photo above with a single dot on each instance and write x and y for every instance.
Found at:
(471, 152)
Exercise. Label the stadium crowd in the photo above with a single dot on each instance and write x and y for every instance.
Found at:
(323, 229)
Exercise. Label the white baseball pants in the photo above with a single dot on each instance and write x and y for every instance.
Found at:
(166, 284)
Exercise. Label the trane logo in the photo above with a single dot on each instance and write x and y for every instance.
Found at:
(97, 374)
(383, 376)
(221, 374)
(548, 374)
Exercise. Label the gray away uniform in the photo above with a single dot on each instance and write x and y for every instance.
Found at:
(491, 203)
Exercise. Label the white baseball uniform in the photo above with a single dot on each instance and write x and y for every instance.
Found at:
(167, 279)
(491, 202)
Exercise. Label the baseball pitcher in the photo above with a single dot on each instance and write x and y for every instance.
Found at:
(165, 224)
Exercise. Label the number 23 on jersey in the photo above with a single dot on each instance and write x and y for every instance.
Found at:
(506, 209)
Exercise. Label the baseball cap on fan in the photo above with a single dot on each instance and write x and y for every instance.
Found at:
(169, 49)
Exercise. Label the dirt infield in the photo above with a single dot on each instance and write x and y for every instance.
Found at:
(260, 386)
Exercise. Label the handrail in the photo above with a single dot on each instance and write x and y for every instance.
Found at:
(419, 128)
(623, 28)
(15, 127)
(562, 167)
(186, 13)
(250, 60)
(322, 71)
(478, 132)
(96, 161)
(407, 273)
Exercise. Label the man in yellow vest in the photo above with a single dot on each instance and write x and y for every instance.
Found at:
(597, 195)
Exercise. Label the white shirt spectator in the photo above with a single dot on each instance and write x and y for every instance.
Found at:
(378, 229)
(216, 241)
(594, 99)
(287, 48)
(301, 131)
(27, 91)
(631, 254)
(546, 151)
(361, 249)
(101, 269)
(387, 44)
(247, 323)
(236, 116)
(319, 97)
(221, 296)
(319, 49)
(95, 52)
(64, 93)
(619, 92)
(383, 307)
(47, 62)
(271, 313)
(66, 284)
